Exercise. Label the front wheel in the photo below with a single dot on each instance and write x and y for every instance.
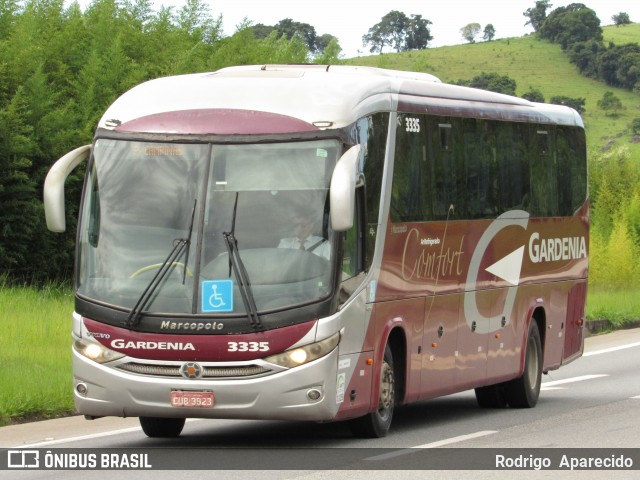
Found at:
(377, 424)
(156, 427)
(523, 392)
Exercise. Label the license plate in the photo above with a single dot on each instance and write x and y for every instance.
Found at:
(190, 399)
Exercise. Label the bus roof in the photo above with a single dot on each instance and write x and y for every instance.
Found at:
(319, 96)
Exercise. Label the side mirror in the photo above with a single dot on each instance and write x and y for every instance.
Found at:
(54, 187)
(342, 194)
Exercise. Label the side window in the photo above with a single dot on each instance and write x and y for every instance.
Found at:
(478, 171)
(483, 168)
(572, 169)
(410, 190)
(443, 175)
(544, 172)
(512, 164)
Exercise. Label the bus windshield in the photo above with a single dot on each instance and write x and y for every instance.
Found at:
(266, 204)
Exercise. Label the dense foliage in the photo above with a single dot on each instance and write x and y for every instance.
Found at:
(288, 28)
(60, 67)
(491, 81)
(576, 28)
(571, 24)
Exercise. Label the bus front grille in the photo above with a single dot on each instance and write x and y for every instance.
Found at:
(207, 371)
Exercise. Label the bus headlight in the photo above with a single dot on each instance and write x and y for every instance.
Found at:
(307, 353)
(95, 351)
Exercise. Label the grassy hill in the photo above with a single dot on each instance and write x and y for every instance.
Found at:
(623, 34)
(532, 63)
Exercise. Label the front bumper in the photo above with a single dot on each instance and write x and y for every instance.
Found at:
(282, 395)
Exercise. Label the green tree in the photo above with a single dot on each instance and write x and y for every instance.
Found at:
(610, 103)
(622, 258)
(327, 44)
(289, 29)
(613, 180)
(390, 31)
(621, 18)
(470, 31)
(8, 10)
(571, 24)
(534, 95)
(538, 14)
(585, 56)
(489, 32)
(195, 18)
(329, 54)
(17, 188)
(261, 31)
(418, 33)
(576, 103)
(619, 65)
(493, 82)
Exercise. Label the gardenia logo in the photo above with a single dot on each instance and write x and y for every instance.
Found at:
(120, 343)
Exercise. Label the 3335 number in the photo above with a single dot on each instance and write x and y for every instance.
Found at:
(412, 124)
(248, 346)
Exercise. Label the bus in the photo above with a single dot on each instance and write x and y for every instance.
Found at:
(322, 243)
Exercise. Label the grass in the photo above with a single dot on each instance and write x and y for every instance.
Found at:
(532, 63)
(622, 34)
(617, 306)
(35, 345)
(35, 352)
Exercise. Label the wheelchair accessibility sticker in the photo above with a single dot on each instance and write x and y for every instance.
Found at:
(217, 296)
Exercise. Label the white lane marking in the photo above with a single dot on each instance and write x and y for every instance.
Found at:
(90, 436)
(439, 443)
(79, 438)
(555, 383)
(612, 349)
(638, 397)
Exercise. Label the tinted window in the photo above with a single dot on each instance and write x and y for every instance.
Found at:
(465, 168)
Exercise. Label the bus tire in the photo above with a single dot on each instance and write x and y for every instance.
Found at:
(376, 424)
(491, 396)
(156, 427)
(523, 392)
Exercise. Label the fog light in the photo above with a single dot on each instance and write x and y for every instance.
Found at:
(82, 389)
(314, 394)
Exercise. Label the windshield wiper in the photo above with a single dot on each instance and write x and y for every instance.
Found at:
(242, 276)
(180, 245)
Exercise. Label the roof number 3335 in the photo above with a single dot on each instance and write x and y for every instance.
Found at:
(412, 124)
(248, 346)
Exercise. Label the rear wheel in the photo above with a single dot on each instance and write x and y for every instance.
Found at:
(156, 427)
(377, 424)
(523, 392)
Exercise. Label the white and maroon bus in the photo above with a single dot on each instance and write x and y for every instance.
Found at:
(447, 247)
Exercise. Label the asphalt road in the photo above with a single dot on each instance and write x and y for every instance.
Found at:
(593, 403)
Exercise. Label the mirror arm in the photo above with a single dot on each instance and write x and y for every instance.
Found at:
(54, 187)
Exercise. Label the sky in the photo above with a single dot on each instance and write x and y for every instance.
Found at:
(349, 20)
